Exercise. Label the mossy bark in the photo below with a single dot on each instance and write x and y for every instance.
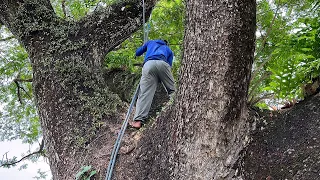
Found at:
(74, 102)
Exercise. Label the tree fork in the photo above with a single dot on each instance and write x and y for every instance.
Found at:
(201, 135)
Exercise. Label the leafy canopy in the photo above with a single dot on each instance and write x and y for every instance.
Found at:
(287, 50)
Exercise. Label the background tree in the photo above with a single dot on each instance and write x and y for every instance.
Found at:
(286, 51)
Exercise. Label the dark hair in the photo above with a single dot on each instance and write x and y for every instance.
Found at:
(165, 41)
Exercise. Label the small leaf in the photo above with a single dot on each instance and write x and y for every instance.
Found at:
(93, 173)
(84, 170)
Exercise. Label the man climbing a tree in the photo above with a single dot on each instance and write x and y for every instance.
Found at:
(156, 68)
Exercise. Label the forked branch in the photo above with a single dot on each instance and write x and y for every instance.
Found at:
(40, 151)
(16, 81)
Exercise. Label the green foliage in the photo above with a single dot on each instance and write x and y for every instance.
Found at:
(18, 120)
(77, 9)
(85, 173)
(8, 162)
(24, 166)
(287, 50)
(166, 22)
(294, 63)
(4, 162)
(123, 57)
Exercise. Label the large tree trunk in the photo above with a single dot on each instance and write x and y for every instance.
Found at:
(211, 111)
(75, 105)
(202, 134)
(199, 136)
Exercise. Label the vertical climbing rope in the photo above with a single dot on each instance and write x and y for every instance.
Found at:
(145, 27)
(125, 123)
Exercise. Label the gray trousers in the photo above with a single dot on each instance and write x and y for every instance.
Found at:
(153, 72)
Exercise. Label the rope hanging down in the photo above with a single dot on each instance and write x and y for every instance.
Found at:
(145, 26)
(125, 123)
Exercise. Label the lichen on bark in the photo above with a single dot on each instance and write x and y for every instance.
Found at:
(75, 104)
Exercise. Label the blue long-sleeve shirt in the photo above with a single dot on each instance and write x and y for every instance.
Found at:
(156, 50)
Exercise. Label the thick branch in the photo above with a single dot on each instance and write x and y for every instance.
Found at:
(7, 38)
(110, 26)
(285, 144)
(23, 80)
(16, 81)
(40, 151)
(25, 17)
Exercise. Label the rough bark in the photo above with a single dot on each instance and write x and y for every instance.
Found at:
(198, 137)
(201, 135)
(75, 106)
(285, 144)
(211, 110)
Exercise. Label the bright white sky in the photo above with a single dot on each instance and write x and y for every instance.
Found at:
(16, 148)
